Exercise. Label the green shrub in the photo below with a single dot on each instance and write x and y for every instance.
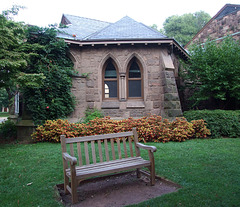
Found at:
(150, 129)
(91, 114)
(220, 122)
(8, 130)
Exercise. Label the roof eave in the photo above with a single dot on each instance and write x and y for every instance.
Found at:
(169, 41)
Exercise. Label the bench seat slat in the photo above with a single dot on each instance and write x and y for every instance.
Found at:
(109, 167)
(125, 166)
(112, 162)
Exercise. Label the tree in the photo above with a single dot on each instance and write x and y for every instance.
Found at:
(3, 98)
(183, 28)
(13, 60)
(213, 72)
(35, 62)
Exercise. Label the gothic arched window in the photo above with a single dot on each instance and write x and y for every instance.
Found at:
(134, 80)
(110, 80)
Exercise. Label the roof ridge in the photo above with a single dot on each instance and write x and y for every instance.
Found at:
(154, 30)
(97, 32)
(90, 35)
(110, 24)
(87, 18)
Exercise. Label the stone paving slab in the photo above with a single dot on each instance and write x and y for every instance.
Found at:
(2, 119)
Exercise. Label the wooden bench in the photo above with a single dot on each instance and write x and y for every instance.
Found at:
(103, 157)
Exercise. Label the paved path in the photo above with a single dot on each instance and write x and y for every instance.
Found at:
(2, 119)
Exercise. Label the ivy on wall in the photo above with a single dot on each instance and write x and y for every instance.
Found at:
(54, 98)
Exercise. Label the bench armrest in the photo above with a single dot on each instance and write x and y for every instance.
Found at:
(72, 160)
(143, 146)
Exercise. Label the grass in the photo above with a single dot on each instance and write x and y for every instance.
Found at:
(4, 114)
(38, 165)
(208, 170)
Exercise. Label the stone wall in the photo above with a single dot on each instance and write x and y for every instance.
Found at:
(219, 28)
(158, 79)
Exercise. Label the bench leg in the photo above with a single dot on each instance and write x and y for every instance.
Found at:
(152, 168)
(74, 192)
(66, 183)
(152, 175)
(74, 185)
(138, 173)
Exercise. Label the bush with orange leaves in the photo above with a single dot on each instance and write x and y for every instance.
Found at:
(150, 129)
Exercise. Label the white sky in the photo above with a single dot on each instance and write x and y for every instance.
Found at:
(149, 12)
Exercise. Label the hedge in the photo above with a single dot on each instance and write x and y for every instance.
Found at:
(222, 123)
(150, 129)
(8, 131)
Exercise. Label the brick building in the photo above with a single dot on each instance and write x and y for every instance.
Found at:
(125, 68)
(225, 22)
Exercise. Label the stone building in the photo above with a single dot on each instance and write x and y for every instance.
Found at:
(225, 22)
(126, 68)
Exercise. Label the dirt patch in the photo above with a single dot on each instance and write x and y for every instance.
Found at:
(117, 190)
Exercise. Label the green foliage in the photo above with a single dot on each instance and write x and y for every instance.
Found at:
(213, 72)
(154, 26)
(12, 12)
(13, 58)
(3, 98)
(30, 80)
(91, 114)
(183, 28)
(221, 123)
(8, 130)
(35, 62)
(150, 129)
(53, 99)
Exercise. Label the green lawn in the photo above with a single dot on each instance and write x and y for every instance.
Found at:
(4, 114)
(208, 170)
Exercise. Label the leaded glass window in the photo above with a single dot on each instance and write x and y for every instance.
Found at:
(110, 80)
(134, 80)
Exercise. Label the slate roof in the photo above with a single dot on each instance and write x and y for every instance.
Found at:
(80, 27)
(85, 29)
(226, 10)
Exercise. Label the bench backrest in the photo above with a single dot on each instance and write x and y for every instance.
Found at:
(100, 148)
